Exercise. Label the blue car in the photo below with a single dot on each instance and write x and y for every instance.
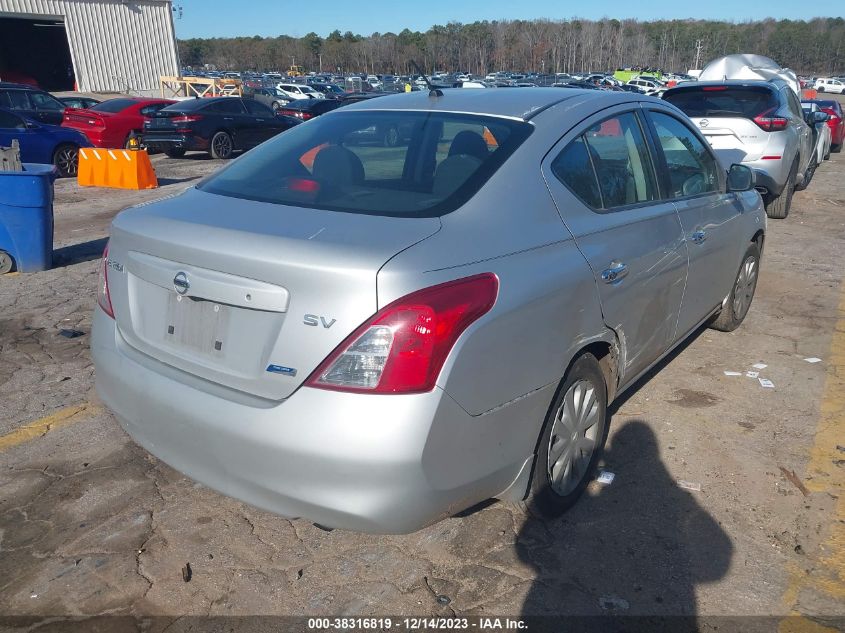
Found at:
(42, 143)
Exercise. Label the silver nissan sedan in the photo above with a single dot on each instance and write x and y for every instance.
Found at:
(374, 334)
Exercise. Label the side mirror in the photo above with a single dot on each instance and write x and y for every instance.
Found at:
(820, 117)
(740, 178)
(31, 125)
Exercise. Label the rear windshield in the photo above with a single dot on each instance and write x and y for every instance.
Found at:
(415, 164)
(114, 105)
(716, 101)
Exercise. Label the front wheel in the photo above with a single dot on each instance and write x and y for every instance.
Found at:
(66, 160)
(222, 146)
(808, 175)
(391, 137)
(572, 442)
(820, 89)
(739, 301)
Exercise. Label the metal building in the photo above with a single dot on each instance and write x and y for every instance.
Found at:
(88, 45)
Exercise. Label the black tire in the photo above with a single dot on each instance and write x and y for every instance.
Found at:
(778, 207)
(222, 147)
(820, 89)
(391, 136)
(808, 175)
(545, 498)
(836, 148)
(276, 106)
(6, 262)
(66, 160)
(742, 292)
(175, 152)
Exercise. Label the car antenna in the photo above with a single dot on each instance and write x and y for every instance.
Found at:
(432, 91)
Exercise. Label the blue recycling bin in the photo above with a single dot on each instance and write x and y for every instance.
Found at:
(26, 217)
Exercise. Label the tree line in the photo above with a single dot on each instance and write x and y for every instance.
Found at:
(816, 46)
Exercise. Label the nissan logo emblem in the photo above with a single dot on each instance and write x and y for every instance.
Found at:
(181, 283)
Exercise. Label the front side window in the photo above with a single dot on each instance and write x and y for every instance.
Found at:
(692, 168)
(17, 100)
(406, 163)
(43, 101)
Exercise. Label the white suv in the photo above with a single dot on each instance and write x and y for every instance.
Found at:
(299, 91)
(829, 84)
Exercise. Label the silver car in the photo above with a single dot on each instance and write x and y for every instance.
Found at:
(374, 338)
(759, 124)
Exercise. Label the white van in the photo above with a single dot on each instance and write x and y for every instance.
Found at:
(829, 84)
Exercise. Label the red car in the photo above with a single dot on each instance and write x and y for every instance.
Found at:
(110, 123)
(836, 123)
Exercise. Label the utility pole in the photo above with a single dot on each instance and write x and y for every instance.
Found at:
(699, 47)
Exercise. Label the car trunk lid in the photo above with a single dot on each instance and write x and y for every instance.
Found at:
(246, 294)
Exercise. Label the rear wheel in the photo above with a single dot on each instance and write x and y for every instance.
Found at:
(276, 106)
(222, 146)
(175, 152)
(6, 262)
(66, 160)
(820, 89)
(808, 175)
(836, 148)
(742, 293)
(778, 207)
(573, 438)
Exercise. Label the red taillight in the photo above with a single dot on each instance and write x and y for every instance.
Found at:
(305, 116)
(402, 348)
(103, 296)
(771, 123)
(187, 118)
(714, 88)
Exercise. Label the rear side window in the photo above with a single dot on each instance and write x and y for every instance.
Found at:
(616, 153)
(722, 101)
(258, 109)
(226, 106)
(16, 100)
(405, 163)
(692, 169)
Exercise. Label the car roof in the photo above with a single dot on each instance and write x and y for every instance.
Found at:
(774, 83)
(516, 103)
(11, 85)
(196, 104)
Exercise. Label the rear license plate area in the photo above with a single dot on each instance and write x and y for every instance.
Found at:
(197, 324)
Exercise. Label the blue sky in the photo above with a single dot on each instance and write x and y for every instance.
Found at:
(224, 18)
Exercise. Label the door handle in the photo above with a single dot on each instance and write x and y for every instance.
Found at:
(260, 120)
(698, 237)
(615, 273)
(228, 118)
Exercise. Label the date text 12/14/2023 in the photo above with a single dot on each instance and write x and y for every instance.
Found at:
(416, 624)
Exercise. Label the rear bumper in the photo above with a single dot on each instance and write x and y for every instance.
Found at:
(770, 174)
(164, 142)
(384, 464)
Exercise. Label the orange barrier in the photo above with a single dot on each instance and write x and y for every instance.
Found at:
(809, 93)
(118, 168)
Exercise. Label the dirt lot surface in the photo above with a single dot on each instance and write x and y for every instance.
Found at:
(728, 498)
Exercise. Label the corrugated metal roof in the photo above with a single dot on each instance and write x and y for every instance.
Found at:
(119, 45)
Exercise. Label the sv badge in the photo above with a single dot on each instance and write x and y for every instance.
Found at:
(314, 320)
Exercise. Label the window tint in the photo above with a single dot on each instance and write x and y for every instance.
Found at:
(434, 162)
(150, 110)
(574, 168)
(43, 101)
(16, 100)
(259, 109)
(621, 160)
(9, 120)
(715, 101)
(794, 104)
(226, 106)
(692, 169)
